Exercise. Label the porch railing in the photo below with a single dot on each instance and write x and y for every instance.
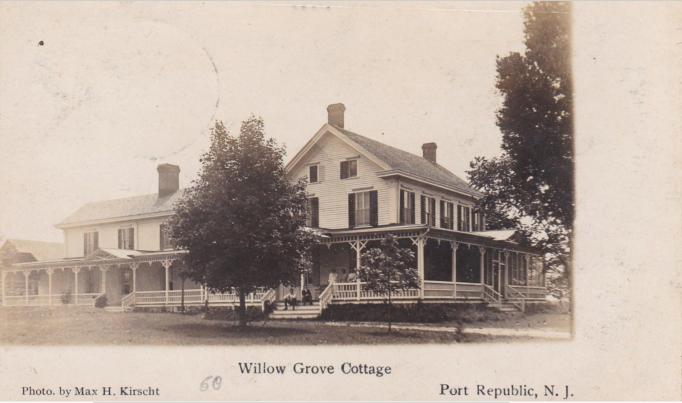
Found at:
(85, 299)
(490, 295)
(326, 296)
(439, 289)
(516, 298)
(349, 291)
(128, 302)
(198, 297)
(469, 290)
(529, 292)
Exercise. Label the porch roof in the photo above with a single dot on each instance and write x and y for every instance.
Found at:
(100, 257)
(501, 239)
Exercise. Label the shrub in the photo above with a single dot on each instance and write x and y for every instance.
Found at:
(101, 301)
(413, 313)
(66, 297)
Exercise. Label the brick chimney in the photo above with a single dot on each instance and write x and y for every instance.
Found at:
(429, 151)
(169, 179)
(335, 114)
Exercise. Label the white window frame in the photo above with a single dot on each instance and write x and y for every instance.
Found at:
(365, 197)
(349, 161)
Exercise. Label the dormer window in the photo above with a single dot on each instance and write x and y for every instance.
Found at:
(349, 169)
(313, 176)
(126, 238)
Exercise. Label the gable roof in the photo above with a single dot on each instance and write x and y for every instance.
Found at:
(393, 160)
(403, 161)
(40, 250)
(149, 204)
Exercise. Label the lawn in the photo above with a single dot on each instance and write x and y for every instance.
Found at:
(82, 326)
(91, 326)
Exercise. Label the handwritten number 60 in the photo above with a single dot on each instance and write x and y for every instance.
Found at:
(207, 383)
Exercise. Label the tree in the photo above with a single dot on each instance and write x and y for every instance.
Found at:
(389, 268)
(530, 186)
(241, 221)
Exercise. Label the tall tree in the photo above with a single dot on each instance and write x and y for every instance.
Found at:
(387, 269)
(530, 186)
(241, 221)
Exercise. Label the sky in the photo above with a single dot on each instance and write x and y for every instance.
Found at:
(117, 88)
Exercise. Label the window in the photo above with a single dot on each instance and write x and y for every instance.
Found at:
(477, 224)
(428, 210)
(164, 236)
(349, 169)
(446, 215)
(313, 217)
(312, 174)
(90, 242)
(406, 207)
(363, 209)
(126, 238)
(463, 218)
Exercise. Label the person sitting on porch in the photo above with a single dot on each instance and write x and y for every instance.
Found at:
(306, 297)
(290, 299)
(351, 277)
(343, 277)
(332, 276)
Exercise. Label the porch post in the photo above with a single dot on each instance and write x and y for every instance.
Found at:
(358, 262)
(499, 274)
(420, 264)
(166, 265)
(302, 284)
(527, 267)
(49, 286)
(454, 246)
(75, 272)
(2, 286)
(26, 274)
(481, 250)
(103, 284)
(133, 267)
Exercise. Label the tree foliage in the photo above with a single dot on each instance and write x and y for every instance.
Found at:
(241, 221)
(531, 185)
(389, 268)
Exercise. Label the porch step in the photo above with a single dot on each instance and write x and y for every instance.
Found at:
(503, 307)
(301, 312)
(113, 308)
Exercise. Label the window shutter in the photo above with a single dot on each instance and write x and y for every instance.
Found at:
(442, 215)
(96, 242)
(412, 208)
(433, 212)
(351, 210)
(373, 208)
(120, 239)
(459, 217)
(132, 238)
(162, 245)
(422, 200)
(451, 216)
(315, 212)
(401, 207)
(85, 243)
(344, 169)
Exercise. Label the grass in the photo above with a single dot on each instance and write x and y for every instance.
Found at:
(91, 326)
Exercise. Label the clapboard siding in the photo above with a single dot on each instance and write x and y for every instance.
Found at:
(147, 234)
(332, 191)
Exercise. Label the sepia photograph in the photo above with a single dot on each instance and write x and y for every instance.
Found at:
(360, 221)
(349, 190)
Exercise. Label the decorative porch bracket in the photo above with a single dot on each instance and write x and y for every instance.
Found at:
(420, 241)
(358, 246)
(166, 263)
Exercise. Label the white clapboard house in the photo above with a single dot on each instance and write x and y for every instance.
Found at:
(359, 189)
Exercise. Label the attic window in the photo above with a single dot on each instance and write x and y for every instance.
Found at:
(312, 174)
(349, 169)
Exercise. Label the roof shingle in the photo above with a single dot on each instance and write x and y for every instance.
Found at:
(410, 163)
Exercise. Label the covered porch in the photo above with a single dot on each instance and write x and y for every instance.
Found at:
(127, 278)
(452, 266)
